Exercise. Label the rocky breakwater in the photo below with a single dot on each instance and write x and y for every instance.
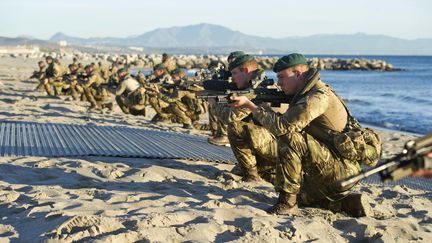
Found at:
(202, 61)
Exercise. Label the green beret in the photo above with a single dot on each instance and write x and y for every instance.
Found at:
(239, 61)
(73, 65)
(289, 61)
(177, 71)
(235, 54)
(159, 66)
(121, 70)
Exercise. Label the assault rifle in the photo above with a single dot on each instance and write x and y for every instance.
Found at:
(412, 158)
(222, 91)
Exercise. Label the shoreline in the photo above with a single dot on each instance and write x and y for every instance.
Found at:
(117, 199)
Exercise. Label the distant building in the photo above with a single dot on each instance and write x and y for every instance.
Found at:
(134, 48)
(19, 49)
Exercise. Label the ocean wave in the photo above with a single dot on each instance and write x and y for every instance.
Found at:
(357, 102)
(408, 98)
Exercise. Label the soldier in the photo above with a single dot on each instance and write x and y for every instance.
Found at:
(72, 78)
(217, 127)
(253, 147)
(75, 61)
(306, 144)
(53, 74)
(182, 101)
(103, 72)
(127, 85)
(113, 78)
(168, 62)
(95, 93)
(39, 75)
(159, 76)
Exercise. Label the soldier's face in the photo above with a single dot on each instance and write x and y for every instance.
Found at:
(289, 81)
(49, 61)
(240, 78)
(159, 72)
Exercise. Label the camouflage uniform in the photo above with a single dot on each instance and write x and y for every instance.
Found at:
(94, 91)
(184, 105)
(215, 71)
(53, 74)
(253, 146)
(152, 98)
(168, 62)
(127, 85)
(39, 75)
(113, 79)
(140, 77)
(103, 72)
(304, 141)
(72, 79)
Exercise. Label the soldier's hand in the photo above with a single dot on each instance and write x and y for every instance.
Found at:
(242, 102)
(142, 90)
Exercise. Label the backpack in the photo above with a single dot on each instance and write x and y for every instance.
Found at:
(356, 143)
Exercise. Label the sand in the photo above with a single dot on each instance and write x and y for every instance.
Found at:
(102, 199)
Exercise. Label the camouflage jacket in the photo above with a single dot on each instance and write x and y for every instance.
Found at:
(127, 85)
(94, 81)
(315, 109)
(170, 64)
(54, 71)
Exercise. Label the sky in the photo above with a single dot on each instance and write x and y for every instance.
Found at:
(406, 19)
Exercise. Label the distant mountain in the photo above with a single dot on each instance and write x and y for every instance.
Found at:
(209, 38)
(7, 41)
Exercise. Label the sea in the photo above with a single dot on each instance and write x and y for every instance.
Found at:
(397, 100)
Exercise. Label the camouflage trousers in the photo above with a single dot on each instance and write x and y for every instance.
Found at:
(120, 99)
(55, 87)
(96, 96)
(76, 90)
(254, 146)
(302, 155)
(133, 103)
(159, 106)
(217, 127)
(181, 113)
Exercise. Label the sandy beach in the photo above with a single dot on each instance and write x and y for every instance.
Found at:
(104, 199)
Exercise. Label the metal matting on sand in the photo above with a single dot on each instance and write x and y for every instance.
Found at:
(64, 140)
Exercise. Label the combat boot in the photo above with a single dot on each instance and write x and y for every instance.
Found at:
(285, 205)
(219, 140)
(251, 175)
(356, 205)
(187, 126)
(109, 106)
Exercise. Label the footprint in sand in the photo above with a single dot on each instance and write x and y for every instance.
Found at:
(84, 227)
(7, 232)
